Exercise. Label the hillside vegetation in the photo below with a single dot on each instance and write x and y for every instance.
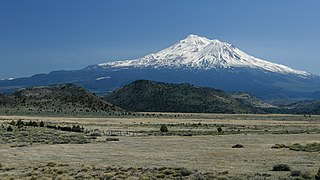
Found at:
(65, 98)
(249, 100)
(304, 107)
(141, 96)
(144, 95)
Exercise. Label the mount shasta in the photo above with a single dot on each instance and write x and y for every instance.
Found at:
(195, 60)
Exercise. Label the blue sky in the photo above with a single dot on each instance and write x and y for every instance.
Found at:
(38, 36)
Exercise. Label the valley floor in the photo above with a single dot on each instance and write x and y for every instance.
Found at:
(135, 148)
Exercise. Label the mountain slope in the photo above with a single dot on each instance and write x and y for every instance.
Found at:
(247, 99)
(6, 100)
(65, 98)
(143, 95)
(303, 107)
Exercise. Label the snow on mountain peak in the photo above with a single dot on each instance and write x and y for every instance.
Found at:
(195, 52)
(195, 40)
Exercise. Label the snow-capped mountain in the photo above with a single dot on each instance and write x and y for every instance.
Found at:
(194, 60)
(196, 52)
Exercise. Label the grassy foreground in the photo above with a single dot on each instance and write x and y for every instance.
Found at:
(134, 147)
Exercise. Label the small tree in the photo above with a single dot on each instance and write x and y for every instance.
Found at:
(41, 124)
(164, 128)
(219, 129)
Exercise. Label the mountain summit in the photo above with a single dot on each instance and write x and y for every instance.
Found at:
(195, 52)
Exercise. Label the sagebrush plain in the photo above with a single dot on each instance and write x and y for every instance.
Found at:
(195, 146)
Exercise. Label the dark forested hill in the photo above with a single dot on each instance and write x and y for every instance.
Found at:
(66, 98)
(304, 107)
(144, 95)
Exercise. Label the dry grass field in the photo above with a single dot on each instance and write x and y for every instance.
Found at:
(134, 147)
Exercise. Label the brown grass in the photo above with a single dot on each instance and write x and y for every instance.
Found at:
(207, 153)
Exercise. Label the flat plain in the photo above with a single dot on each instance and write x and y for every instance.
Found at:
(133, 147)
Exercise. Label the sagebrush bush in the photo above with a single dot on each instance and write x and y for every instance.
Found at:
(9, 129)
(279, 146)
(41, 124)
(317, 176)
(238, 146)
(185, 172)
(164, 128)
(312, 147)
(112, 139)
(296, 173)
(12, 123)
(20, 123)
(281, 167)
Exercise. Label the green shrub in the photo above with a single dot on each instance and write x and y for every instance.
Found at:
(185, 172)
(279, 146)
(301, 174)
(51, 164)
(77, 128)
(317, 176)
(295, 173)
(312, 147)
(238, 146)
(12, 123)
(219, 129)
(160, 175)
(112, 139)
(41, 124)
(164, 128)
(31, 123)
(281, 167)
(9, 129)
(95, 134)
(20, 123)
(306, 175)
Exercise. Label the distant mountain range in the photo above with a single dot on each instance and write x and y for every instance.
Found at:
(194, 60)
(141, 96)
